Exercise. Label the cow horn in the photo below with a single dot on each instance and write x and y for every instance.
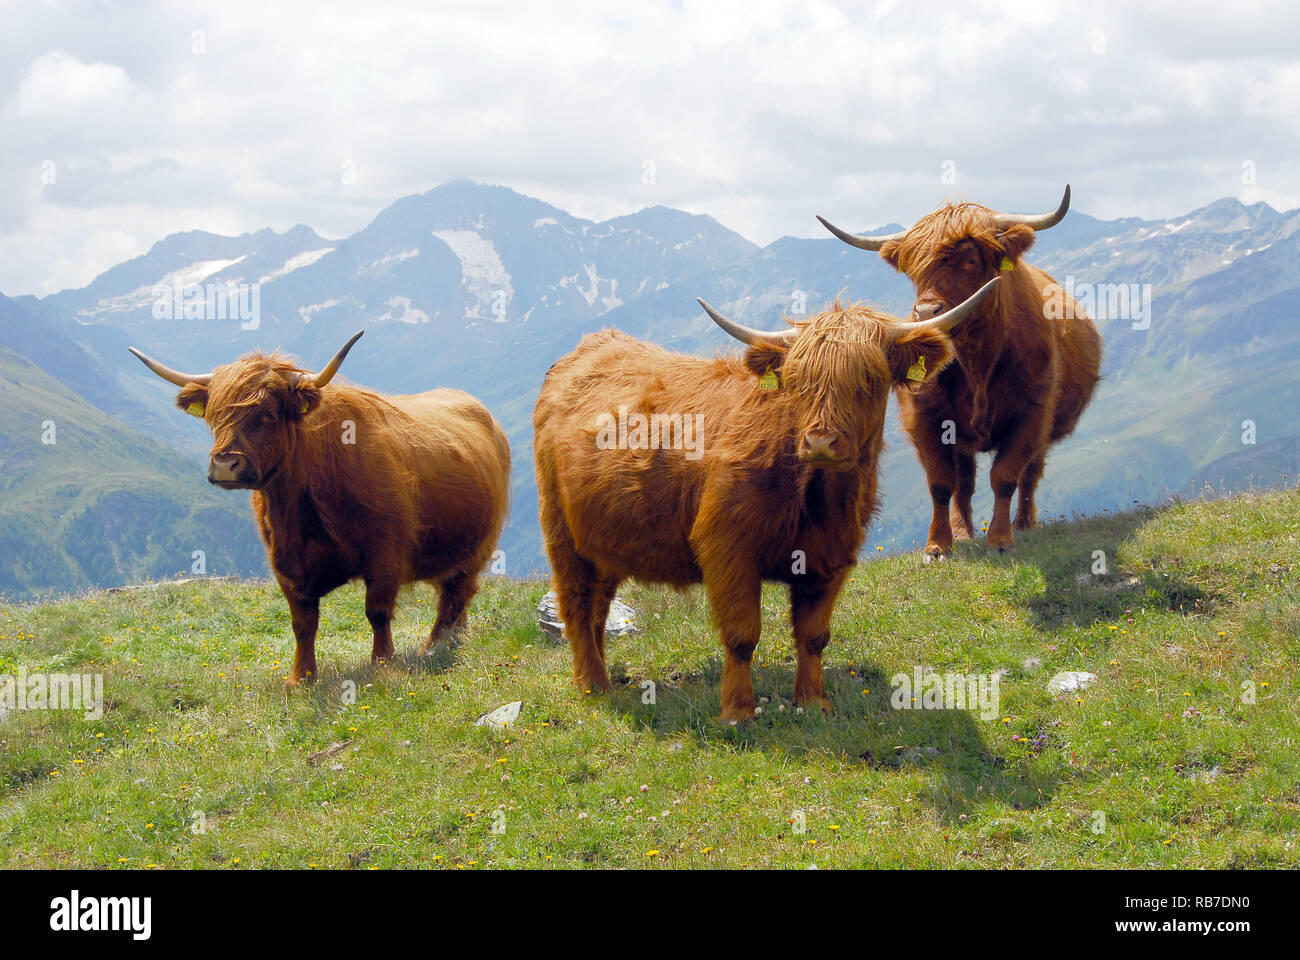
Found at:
(853, 239)
(1039, 221)
(170, 375)
(331, 368)
(749, 335)
(945, 322)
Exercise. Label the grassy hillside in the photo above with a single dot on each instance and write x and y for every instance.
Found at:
(202, 759)
(102, 504)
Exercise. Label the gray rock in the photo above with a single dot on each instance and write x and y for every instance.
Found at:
(621, 618)
(501, 717)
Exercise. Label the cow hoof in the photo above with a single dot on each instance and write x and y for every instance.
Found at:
(735, 715)
(594, 684)
(817, 703)
(1002, 548)
(449, 637)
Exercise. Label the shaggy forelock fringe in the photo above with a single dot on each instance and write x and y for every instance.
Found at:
(844, 355)
(252, 380)
(932, 237)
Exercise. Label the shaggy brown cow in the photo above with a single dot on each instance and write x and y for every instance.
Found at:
(677, 469)
(1022, 378)
(348, 483)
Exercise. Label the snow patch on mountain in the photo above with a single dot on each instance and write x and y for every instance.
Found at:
(185, 277)
(409, 313)
(592, 293)
(297, 262)
(307, 311)
(395, 258)
(481, 271)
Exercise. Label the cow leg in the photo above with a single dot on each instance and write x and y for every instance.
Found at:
(1026, 511)
(305, 613)
(381, 600)
(573, 578)
(602, 595)
(454, 596)
(810, 613)
(574, 595)
(941, 474)
(735, 600)
(1023, 448)
(959, 515)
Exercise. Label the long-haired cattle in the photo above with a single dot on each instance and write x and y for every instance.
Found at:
(1027, 363)
(353, 484)
(678, 469)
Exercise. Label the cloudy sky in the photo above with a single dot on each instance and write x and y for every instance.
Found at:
(125, 122)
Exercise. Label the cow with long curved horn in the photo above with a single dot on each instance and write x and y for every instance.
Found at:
(348, 484)
(727, 471)
(1029, 360)
(1038, 221)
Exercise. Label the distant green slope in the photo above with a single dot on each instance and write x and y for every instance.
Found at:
(101, 504)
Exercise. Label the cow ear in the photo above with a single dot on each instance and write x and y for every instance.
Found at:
(889, 252)
(1016, 240)
(763, 357)
(303, 399)
(193, 399)
(915, 356)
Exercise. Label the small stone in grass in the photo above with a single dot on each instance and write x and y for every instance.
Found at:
(501, 717)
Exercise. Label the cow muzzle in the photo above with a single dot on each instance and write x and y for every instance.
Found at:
(927, 308)
(822, 447)
(230, 471)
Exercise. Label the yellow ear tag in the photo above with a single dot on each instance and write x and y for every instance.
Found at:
(305, 405)
(195, 409)
(1006, 265)
(769, 380)
(917, 370)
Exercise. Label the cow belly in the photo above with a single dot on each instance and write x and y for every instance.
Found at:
(630, 521)
(628, 542)
(320, 569)
(441, 553)
(650, 562)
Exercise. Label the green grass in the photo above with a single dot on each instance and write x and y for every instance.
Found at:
(1185, 772)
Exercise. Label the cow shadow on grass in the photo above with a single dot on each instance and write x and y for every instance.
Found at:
(342, 676)
(866, 729)
(1085, 582)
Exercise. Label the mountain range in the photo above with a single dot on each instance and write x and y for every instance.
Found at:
(481, 288)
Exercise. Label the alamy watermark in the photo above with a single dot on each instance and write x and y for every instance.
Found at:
(654, 431)
(920, 690)
(209, 301)
(52, 691)
(1100, 301)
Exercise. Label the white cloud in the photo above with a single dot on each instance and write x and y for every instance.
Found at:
(758, 112)
(59, 84)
